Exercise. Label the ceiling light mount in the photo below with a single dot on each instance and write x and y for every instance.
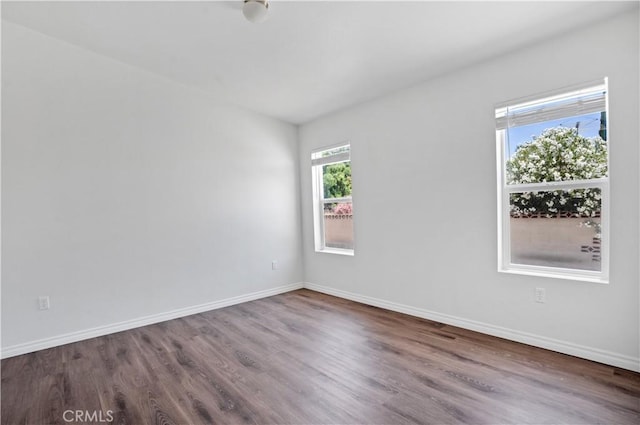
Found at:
(255, 10)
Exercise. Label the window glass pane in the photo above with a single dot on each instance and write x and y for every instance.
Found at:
(558, 228)
(338, 225)
(336, 180)
(572, 148)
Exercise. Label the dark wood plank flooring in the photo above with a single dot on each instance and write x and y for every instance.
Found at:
(309, 358)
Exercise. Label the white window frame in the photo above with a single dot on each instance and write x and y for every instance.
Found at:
(505, 190)
(319, 201)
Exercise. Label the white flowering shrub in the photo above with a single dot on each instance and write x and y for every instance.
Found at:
(558, 154)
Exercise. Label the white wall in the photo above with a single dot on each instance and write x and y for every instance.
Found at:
(424, 184)
(125, 195)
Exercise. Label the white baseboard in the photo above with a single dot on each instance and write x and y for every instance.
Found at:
(602, 356)
(41, 344)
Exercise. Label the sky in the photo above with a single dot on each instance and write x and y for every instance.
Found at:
(589, 127)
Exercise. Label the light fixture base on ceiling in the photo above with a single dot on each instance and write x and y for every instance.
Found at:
(255, 10)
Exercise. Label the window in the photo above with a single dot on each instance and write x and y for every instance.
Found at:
(553, 184)
(332, 206)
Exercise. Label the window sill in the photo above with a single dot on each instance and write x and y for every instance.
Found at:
(557, 275)
(347, 252)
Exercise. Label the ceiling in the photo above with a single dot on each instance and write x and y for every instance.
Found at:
(309, 58)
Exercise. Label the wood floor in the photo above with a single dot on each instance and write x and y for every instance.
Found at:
(308, 358)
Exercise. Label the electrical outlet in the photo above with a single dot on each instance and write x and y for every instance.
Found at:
(541, 295)
(43, 303)
(274, 265)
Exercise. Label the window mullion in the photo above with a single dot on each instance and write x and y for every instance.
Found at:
(334, 200)
(545, 186)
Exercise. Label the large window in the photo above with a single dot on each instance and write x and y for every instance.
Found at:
(553, 184)
(333, 206)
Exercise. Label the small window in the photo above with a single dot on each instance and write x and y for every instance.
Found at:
(553, 184)
(333, 206)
